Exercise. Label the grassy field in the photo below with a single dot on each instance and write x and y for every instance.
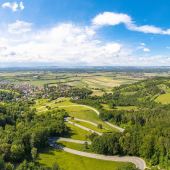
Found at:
(73, 110)
(76, 146)
(77, 133)
(69, 161)
(164, 98)
(95, 128)
(99, 82)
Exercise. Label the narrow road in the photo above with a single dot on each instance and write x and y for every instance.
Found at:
(86, 121)
(114, 126)
(98, 113)
(84, 128)
(139, 163)
(73, 141)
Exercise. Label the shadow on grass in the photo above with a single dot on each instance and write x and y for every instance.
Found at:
(70, 133)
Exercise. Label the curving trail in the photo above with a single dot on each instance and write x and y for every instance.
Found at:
(86, 121)
(98, 113)
(73, 141)
(139, 163)
(116, 127)
(84, 128)
(135, 160)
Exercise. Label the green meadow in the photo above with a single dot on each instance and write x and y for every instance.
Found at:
(69, 161)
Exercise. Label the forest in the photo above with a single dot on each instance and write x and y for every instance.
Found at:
(24, 133)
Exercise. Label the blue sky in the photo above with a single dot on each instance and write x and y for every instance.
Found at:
(84, 32)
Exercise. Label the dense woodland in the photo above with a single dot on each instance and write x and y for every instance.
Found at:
(147, 131)
(23, 133)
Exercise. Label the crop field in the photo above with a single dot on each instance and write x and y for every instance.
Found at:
(69, 161)
(99, 82)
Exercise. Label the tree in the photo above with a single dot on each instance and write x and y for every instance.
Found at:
(100, 126)
(2, 163)
(86, 145)
(9, 166)
(34, 153)
(17, 152)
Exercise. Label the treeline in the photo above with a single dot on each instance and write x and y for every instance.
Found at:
(54, 92)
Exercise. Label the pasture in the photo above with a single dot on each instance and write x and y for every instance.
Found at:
(69, 161)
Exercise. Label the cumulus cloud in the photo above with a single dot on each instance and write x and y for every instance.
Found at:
(64, 43)
(19, 27)
(67, 44)
(112, 19)
(14, 6)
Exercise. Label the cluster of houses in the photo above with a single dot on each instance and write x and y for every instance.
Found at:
(24, 89)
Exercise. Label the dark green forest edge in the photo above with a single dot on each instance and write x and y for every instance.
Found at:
(24, 134)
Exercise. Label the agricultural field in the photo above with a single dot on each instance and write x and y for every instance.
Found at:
(99, 82)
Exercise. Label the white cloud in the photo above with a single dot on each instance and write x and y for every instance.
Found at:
(68, 44)
(64, 43)
(21, 5)
(112, 19)
(112, 48)
(19, 27)
(14, 6)
(146, 49)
